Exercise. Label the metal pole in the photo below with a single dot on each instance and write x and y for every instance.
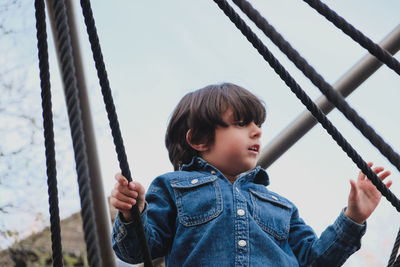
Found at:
(345, 85)
(102, 216)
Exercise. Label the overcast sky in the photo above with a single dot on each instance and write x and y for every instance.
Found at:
(156, 51)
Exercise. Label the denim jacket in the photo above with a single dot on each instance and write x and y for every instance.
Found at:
(196, 217)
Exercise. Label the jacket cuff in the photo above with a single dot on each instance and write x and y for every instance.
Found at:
(143, 216)
(122, 226)
(348, 229)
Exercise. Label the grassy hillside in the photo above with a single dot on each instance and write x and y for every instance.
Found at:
(36, 249)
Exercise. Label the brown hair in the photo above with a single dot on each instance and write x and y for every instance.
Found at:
(201, 111)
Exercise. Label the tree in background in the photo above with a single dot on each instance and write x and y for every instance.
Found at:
(23, 181)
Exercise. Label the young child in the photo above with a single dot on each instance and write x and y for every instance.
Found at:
(215, 209)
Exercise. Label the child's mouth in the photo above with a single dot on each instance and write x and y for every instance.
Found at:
(255, 148)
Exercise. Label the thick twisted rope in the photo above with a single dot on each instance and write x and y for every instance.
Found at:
(333, 96)
(311, 106)
(74, 114)
(113, 120)
(395, 251)
(355, 34)
(396, 263)
(48, 132)
(302, 64)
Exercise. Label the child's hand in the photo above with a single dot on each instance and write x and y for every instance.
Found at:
(364, 197)
(125, 195)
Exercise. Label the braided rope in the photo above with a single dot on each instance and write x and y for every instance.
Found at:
(355, 34)
(48, 132)
(74, 114)
(394, 250)
(333, 96)
(113, 120)
(396, 263)
(302, 64)
(292, 54)
(311, 106)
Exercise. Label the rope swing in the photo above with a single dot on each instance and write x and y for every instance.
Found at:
(334, 97)
(48, 133)
(331, 94)
(113, 120)
(75, 119)
(75, 116)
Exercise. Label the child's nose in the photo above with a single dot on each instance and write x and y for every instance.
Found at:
(255, 130)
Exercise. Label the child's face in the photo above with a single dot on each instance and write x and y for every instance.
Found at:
(236, 148)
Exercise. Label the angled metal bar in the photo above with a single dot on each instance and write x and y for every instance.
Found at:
(345, 85)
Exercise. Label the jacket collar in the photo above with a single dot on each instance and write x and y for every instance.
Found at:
(257, 175)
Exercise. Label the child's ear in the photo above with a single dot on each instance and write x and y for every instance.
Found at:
(199, 147)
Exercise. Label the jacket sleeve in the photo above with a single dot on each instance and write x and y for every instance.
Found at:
(158, 219)
(333, 248)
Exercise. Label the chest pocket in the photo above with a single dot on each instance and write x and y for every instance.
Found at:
(271, 214)
(198, 200)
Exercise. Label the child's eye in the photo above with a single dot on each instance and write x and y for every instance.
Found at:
(240, 124)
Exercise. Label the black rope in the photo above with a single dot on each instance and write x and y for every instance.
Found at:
(355, 34)
(303, 65)
(333, 96)
(311, 106)
(396, 263)
(74, 114)
(113, 120)
(48, 133)
(395, 250)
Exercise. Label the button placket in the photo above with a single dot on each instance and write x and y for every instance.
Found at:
(240, 212)
(242, 243)
(241, 228)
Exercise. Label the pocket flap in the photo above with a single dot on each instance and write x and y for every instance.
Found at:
(271, 198)
(193, 182)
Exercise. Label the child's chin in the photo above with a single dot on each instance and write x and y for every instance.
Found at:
(251, 166)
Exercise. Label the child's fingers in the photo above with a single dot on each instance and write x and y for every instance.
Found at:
(383, 175)
(389, 183)
(140, 191)
(121, 179)
(378, 169)
(120, 205)
(137, 187)
(126, 190)
(361, 175)
(353, 191)
(123, 197)
(124, 187)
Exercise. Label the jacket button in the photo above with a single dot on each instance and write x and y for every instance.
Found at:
(213, 172)
(194, 181)
(240, 212)
(242, 243)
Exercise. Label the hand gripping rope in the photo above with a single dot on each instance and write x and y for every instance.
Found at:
(113, 120)
(283, 45)
(74, 114)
